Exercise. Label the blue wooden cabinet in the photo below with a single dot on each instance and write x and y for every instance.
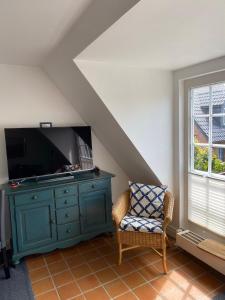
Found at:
(47, 216)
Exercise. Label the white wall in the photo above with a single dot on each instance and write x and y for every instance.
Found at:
(28, 97)
(141, 101)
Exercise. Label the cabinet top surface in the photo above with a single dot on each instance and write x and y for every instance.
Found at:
(77, 178)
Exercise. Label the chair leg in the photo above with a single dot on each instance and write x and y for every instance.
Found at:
(168, 244)
(120, 254)
(164, 256)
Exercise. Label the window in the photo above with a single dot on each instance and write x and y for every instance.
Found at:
(208, 130)
(206, 180)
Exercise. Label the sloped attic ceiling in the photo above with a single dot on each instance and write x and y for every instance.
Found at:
(30, 29)
(163, 34)
(60, 67)
(153, 35)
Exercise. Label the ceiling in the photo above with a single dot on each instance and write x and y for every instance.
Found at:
(30, 29)
(163, 34)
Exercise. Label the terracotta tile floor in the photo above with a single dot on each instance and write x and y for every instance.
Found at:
(89, 271)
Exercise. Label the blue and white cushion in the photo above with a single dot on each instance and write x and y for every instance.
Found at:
(132, 223)
(146, 200)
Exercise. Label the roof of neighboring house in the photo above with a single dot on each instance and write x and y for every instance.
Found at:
(201, 106)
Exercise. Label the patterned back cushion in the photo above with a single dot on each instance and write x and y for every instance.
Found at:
(146, 200)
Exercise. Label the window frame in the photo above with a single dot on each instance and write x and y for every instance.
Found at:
(210, 144)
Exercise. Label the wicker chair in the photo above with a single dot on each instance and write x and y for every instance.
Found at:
(134, 239)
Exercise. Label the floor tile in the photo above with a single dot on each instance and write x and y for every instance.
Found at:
(192, 269)
(116, 288)
(81, 297)
(106, 250)
(52, 295)
(88, 282)
(68, 291)
(179, 259)
(57, 267)
(124, 268)
(42, 286)
(99, 243)
(149, 272)
(53, 257)
(146, 292)
(38, 274)
(91, 269)
(106, 275)
(81, 271)
(177, 294)
(34, 262)
(84, 247)
(159, 266)
(97, 294)
(98, 264)
(62, 278)
(75, 260)
(151, 257)
(196, 291)
(112, 258)
(180, 279)
(128, 296)
(90, 255)
(138, 262)
(220, 290)
(133, 279)
(163, 284)
(209, 281)
(68, 252)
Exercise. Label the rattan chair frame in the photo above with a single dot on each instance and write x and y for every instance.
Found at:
(134, 239)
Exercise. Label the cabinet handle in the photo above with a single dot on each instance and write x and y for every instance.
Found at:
(65, 202)
(66, 215)
(52, 221)
(68, 230)
(66, 191)
(93, 186)
(35, 197)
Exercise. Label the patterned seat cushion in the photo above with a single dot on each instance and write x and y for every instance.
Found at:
(146, 200)
(132, 223)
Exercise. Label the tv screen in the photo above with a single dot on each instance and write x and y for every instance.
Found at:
(33, 152)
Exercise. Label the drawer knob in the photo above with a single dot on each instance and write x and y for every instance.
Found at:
(66, 215)
(93, 186)
(65, 202)
(52, 221)
(66, 191)
(68, 230)
(35, 197)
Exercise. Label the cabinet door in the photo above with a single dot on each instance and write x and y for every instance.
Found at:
(35, 225)
(95, 209)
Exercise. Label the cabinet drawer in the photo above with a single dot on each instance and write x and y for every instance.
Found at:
(68, 230)
(66, 190)
(33, 197)
(93, 186)
(66, 201)
(67, 215)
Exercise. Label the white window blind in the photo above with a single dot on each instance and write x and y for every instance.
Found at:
(206, 180)
(206, 203)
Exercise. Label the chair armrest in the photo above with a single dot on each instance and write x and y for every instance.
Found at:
(168, 209)
(121, 207)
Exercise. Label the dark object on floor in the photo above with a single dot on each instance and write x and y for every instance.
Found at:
(3, 235)
(219, 297)
(5, 261)
(18, 287)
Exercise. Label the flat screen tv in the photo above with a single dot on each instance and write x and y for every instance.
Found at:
(34, 152)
